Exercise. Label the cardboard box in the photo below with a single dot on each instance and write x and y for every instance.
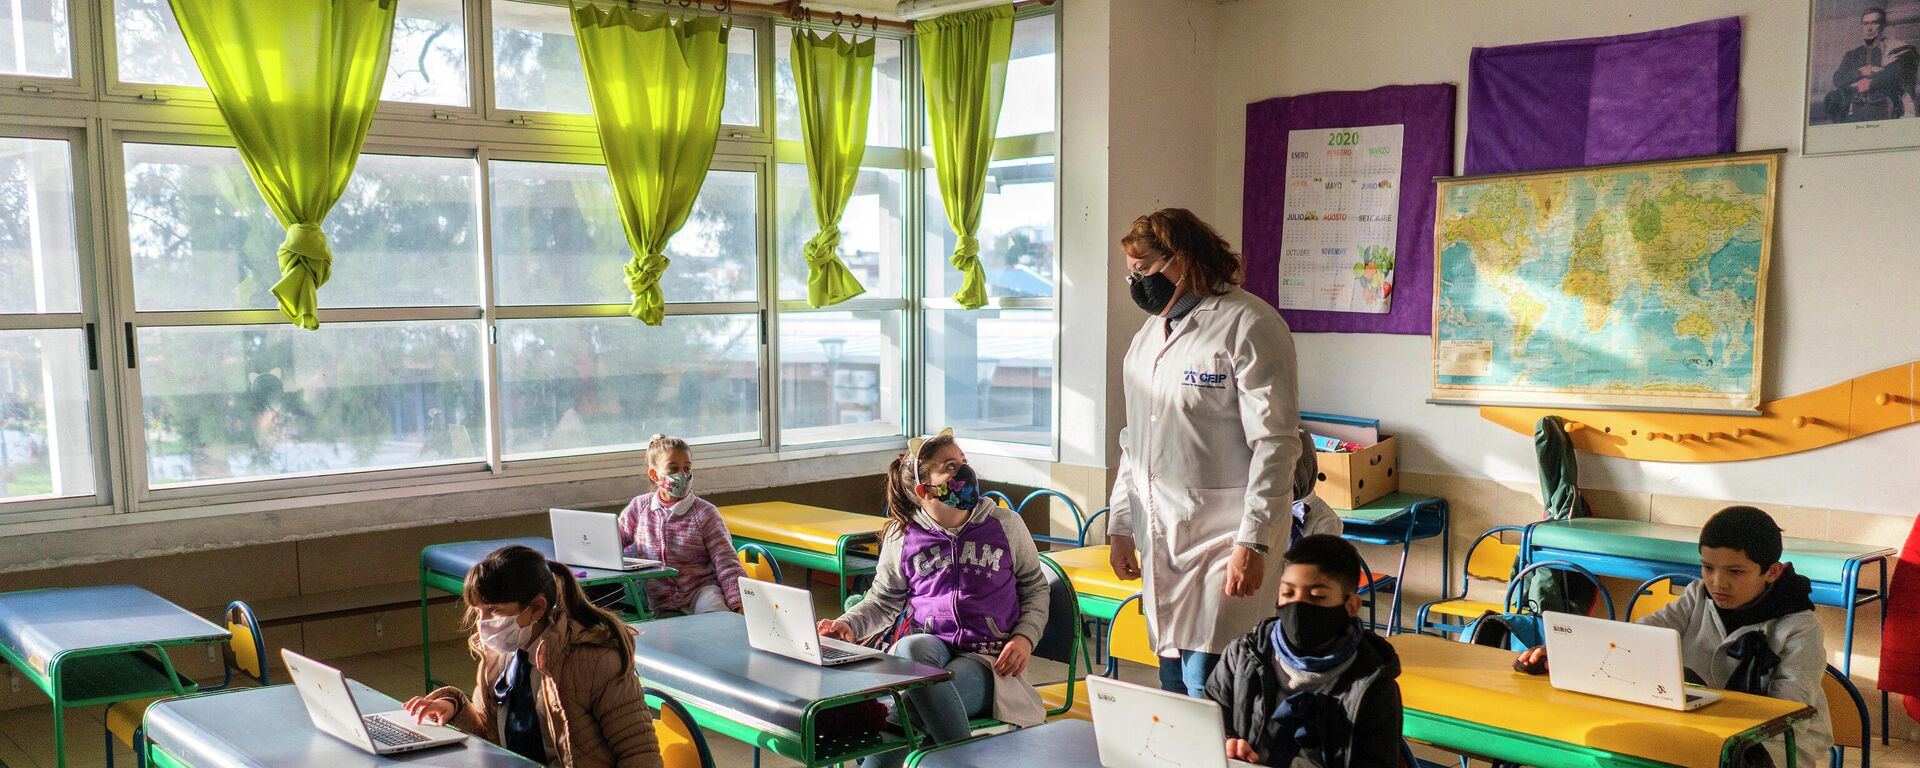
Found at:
(1351, 480)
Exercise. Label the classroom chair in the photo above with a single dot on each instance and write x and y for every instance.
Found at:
(1488, 560)
(1656, 593)
(1060, 641)
(1519, 581)
(682, 745)
(245, 653)
(759, 563)
(1080, 523)
(1372, 584)
(1852, 726)
(1126, 641)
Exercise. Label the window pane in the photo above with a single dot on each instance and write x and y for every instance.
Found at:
(840, 375)
(429, 61)
(885, 115)
(742, 102)
(150, 47)
(585, 385)
(557, 238)
(536, 65)
(39, 264)
(1016, 231)
(403, 233)
(253, 401)
(1028, 105)
(46, 445)
(990, 373)
(870, 231)
(34, 38)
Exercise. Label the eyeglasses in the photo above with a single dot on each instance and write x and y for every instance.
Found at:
(1134, 276)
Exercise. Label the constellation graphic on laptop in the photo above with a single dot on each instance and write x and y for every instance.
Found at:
(1604, 670)
(1160, 733)
(774, 630)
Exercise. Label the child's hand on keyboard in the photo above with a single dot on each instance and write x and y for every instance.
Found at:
(431, 709)
(835, 629)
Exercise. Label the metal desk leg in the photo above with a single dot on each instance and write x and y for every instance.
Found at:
(1885, 709)
(1400, 582)
(59, 714)
(426, 638)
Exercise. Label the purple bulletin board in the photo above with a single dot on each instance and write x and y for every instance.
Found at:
(1426, 111)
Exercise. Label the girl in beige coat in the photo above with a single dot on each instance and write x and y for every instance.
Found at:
(556, 682)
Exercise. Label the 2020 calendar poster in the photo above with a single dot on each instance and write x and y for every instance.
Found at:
(1341, 210)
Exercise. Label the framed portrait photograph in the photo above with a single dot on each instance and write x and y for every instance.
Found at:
(1863, 61)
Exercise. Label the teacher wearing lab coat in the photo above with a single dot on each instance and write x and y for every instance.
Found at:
(1205, 485)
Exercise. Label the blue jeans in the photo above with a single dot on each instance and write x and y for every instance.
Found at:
(1187, 674)
(941, 710)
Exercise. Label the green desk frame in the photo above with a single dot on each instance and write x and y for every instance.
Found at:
(839, 562)
(85, 677)
(1499, 744)
(806, 746)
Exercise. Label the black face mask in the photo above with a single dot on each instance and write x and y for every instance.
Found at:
(1153, 292)
(1314, 630)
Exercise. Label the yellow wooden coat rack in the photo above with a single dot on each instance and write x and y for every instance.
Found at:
(1859, 406)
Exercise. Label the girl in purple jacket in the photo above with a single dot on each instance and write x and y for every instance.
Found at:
(969, 578)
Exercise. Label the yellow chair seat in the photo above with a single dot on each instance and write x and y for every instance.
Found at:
(1466, 609)
(124, 717)
(1052, 696)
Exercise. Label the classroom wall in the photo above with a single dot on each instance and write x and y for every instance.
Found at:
(1842, 269)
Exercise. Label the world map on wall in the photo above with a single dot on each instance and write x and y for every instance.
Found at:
(1638, 286)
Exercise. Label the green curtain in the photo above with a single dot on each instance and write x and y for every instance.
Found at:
(963, 64)
(296, 82)
(834, 76)
(656, 87)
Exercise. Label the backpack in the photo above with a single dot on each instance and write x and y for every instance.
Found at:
(1513, 631)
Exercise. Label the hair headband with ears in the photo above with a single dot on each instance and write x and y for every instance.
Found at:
(913, 451)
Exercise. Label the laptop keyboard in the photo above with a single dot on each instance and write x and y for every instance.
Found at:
(391, 735)
(829, 654)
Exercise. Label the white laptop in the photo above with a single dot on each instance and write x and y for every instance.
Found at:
(332, 708)
(592, 540)
(1618, 660)
(1140, 727)
(780, 620)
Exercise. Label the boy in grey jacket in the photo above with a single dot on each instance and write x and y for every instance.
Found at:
(1747, 625)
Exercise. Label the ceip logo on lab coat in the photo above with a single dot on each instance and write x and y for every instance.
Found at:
(1203, 380)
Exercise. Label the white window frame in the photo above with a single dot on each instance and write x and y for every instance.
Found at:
(99, 115)
(1007, 148)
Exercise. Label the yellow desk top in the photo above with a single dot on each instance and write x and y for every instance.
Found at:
(1477, 684)
(798, 525)
(1091, 573)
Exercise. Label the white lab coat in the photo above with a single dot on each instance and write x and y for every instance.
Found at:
(1796, 637)
(1206, 461)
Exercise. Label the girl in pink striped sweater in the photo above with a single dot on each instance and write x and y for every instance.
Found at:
(672, 525)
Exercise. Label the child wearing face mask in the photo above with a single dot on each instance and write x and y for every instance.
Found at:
(556, 682)
(672, 525)
(966, 572)
(1311, 688)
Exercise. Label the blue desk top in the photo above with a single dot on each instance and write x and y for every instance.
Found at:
(1059, 744)
(39, 624)
(456, 559)
(705, 661)
(262, 727)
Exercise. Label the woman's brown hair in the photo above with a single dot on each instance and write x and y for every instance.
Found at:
(515, 575)
(902, 502)
(1175, 234)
